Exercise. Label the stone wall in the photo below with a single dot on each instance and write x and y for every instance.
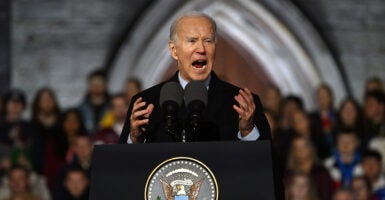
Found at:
(355, 29)
(57, 43)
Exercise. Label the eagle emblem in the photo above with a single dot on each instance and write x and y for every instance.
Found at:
(181, 178)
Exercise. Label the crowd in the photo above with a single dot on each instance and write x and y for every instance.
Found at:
(48, 156)
(330, 153)
(326, 154)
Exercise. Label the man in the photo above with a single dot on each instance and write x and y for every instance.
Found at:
(95, 104)
(19, 186)
(231, 113)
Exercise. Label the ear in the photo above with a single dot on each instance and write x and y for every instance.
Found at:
(172, 48)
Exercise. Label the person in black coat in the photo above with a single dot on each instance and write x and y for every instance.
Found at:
(231, 113)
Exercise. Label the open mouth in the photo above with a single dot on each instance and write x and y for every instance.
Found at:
(199, 64)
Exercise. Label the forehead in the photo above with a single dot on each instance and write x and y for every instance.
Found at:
(194, 25)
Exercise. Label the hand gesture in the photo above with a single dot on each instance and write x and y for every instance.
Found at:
(245, 110)
(139, 117)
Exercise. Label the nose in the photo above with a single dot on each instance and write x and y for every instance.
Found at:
(200, 48)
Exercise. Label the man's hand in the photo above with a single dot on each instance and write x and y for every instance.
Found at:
(246, 111)
(138, 118)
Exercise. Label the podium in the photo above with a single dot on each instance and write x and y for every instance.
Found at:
(241, 170)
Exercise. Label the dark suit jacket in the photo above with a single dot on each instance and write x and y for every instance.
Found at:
(220, 120)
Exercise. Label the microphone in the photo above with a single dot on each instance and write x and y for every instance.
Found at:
(196, 101)
(171, 98)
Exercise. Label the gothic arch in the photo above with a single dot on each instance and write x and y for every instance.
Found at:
(289, 52)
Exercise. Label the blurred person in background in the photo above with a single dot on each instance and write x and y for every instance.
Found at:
(37, 184)
(343, 194)
(111, 130)
(16, 134)
(284, 132)
(19, 186)
(302, 157)
(350, 116)
(324, 118)
(362, 189)
(374, 84)
(344, 164)
(302, 126)
(71, 126)
(50, 149)
(371, 164)
(300, 187)
(76, 184)
(271, 100)
(374, 134)
(290, 104)
(95, 103)
(82, 147)
(132, 87)
(272, 122)
(374, 108)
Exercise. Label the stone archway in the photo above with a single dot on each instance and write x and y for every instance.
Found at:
(287, 53)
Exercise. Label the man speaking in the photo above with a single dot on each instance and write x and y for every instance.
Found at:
(230, 113)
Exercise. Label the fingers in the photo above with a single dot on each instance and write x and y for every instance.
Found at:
(246, 103)
(139, 116)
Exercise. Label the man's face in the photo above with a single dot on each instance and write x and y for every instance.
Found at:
(194, 48)
(18, 181)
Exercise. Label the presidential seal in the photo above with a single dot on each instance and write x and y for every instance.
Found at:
(181, 178)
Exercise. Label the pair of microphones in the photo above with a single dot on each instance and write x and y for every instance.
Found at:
(172, 96)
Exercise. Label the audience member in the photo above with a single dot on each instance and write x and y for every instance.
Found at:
(71, 126)
(52, 145)
(283, 132)
(324, 118)
(76, 184)
(374, 84)
(343, 194)
(302, 157)
(14, 130)
(300, 187)
(272, 122)
(362, 189)
(132, 87)
(371, 164)
(271, 100)
(374, 108)
(16, 134)
(344, 164)
(110, 132)
(350, 116)
(302, 126)
(20, 186)
(95, 103)
(83, 146)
